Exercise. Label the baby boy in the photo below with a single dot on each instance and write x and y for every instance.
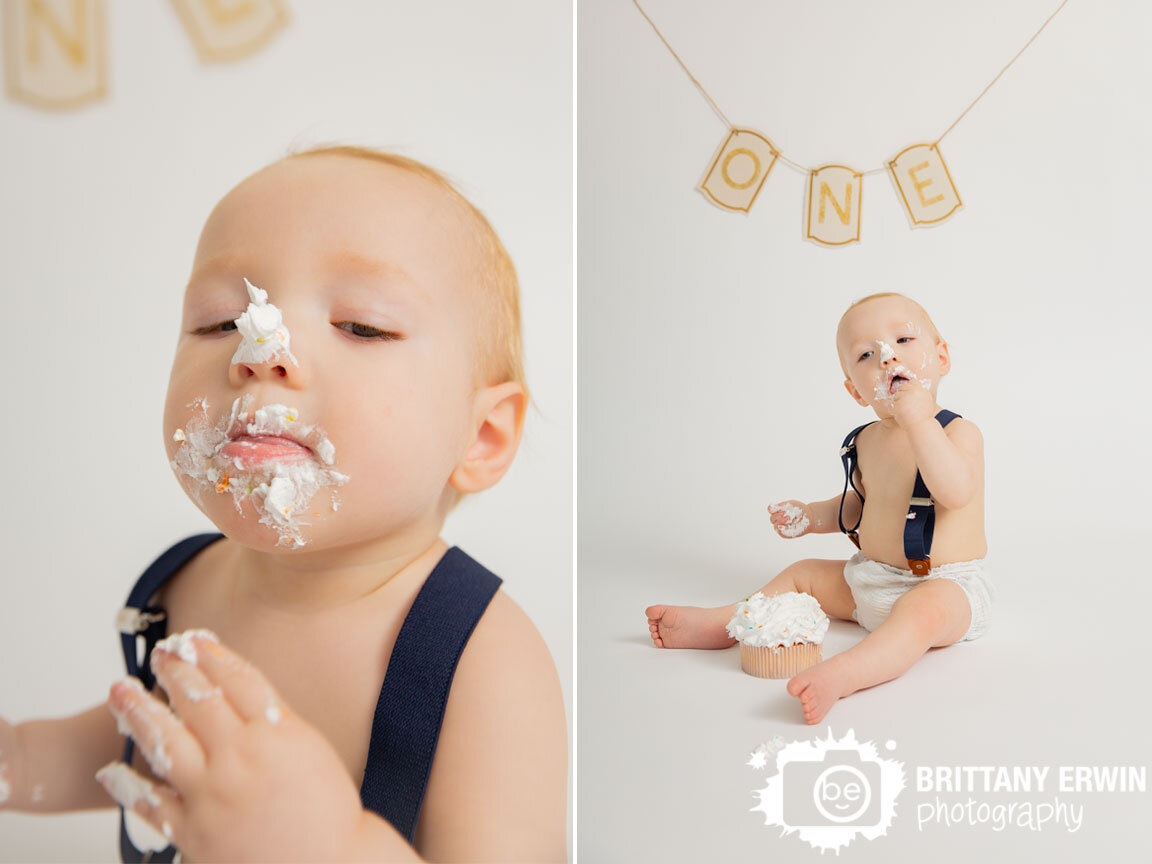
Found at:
(375, 379)
(893, 359)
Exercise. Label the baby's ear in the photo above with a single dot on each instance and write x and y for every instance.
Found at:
(945, 360)
(498, 421)
(854, 393)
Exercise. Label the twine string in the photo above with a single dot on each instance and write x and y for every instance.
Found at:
(803, 169)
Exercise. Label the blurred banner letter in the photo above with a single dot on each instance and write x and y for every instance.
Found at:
(54, 52)
(739, 170)
(224, 30)
(925, 185)
(834, 205)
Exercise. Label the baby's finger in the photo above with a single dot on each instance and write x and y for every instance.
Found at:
(203, 706)
(150, 811)
(169, 748)
(245, 686)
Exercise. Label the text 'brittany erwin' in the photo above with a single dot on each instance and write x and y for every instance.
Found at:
(834, 192)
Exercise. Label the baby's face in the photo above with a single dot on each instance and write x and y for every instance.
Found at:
(885, 344)
(373, 269)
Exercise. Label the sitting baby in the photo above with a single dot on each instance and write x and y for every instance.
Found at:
(917, 478)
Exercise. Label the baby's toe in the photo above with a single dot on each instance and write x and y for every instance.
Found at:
(797, 685)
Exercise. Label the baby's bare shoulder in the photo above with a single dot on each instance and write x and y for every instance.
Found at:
(506, 646)
(964, 433)
(498, 784)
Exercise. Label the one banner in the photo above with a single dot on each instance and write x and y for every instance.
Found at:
(834, 205)
(224, 30)
(739, 170)
(54, 52)
(925, 185)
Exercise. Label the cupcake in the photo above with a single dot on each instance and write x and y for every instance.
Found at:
(778, 635)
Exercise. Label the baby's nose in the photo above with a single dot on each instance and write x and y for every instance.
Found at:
(273, 369)
(264, 351)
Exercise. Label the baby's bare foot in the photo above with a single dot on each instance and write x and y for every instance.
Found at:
(689, 626)
(819, 687)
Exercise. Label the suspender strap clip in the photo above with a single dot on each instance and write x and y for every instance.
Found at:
(131, 620)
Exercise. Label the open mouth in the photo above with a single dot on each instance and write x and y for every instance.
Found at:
(895, 383)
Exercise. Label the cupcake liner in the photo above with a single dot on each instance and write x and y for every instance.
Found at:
(782, 661)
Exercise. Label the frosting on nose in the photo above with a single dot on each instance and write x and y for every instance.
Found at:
(263, 334)
(886, 352)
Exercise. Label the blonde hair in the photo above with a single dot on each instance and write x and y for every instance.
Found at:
(863, 300)
(501, 354)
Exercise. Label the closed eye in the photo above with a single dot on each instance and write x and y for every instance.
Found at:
(219, 327)
(368, 333)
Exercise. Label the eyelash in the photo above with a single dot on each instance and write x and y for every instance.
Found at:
(363, 332)
(376, 334)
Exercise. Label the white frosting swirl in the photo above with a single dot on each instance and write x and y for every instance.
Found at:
(262, 331)
(782, 619)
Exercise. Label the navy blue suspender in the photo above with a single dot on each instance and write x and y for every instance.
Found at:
(921, 519)
(413, 696)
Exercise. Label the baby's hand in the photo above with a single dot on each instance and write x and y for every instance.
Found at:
(791, 518)
(912, 403)
(250, 779)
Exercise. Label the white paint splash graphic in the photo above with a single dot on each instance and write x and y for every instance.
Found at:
(281, 491)
(797, 522)
(828, 790)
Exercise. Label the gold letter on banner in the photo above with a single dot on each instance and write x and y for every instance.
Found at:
(834, 205)
(925, 185)
(225, 30)
(54, 51)
(734, 179)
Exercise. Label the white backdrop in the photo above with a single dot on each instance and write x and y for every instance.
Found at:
(708, 387)
(100, 209)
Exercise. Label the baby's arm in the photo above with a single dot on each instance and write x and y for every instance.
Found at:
(950, 461)
(821, 516)
(50, 765)
(499, 782)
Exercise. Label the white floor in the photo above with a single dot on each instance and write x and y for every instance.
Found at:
(664, 735)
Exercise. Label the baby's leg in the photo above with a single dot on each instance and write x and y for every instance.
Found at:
(930, 615)
(700, 627)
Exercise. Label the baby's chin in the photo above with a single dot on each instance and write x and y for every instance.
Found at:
(245, 510)
(280, 506)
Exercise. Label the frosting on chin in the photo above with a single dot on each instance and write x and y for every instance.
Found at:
(782, 619)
